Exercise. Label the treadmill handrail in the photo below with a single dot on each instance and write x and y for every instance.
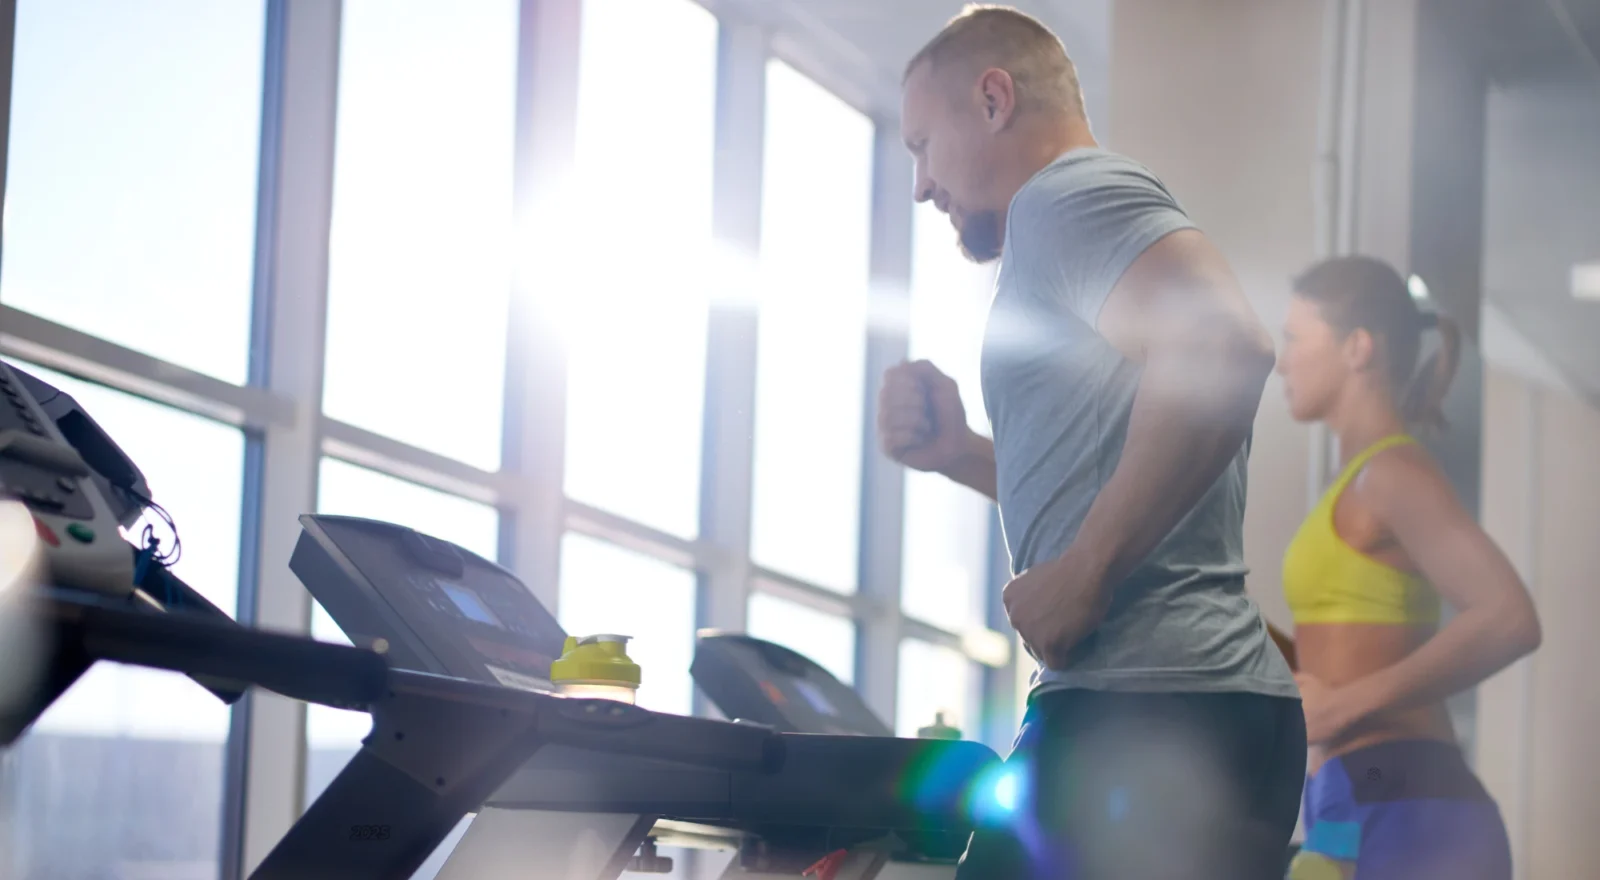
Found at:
(600, 725)
(294, 666)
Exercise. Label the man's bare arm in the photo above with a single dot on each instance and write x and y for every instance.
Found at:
(1179, 312)
(975, 469)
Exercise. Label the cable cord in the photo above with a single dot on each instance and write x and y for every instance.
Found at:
(150, 542)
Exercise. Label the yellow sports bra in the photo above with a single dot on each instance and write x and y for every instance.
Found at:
(1328, 581)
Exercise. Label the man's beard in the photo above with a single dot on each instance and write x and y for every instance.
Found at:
(980, 237)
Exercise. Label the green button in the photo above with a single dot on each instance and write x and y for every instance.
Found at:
(81, 532)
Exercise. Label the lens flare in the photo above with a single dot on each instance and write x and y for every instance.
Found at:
(997, 794)
(965, 780)
(1005, 792)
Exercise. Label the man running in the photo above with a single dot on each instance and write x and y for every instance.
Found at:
(1122, 368)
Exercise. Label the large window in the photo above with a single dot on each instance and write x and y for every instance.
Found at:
(136, 186)
(419, 267)
(334, 735)
(935, 680)
(606, 589)
(131, 188)
(815, 235)
(828, 639)
(636, 310)
(945, 558)
(122, 777)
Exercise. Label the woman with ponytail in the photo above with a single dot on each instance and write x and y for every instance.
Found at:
(1389, 794)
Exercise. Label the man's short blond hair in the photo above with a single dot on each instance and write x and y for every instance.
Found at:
(984, 36)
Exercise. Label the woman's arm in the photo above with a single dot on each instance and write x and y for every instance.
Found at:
(1285, 644)
(1495, 621)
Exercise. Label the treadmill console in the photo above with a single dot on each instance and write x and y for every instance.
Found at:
(79, 540)
(439, 608)
(759, 681)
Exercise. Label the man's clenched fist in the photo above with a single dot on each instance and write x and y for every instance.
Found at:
(921, 422)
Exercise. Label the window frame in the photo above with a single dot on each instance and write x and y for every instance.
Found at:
(278, 407)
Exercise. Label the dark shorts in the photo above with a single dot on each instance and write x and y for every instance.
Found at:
(1175, 786)
(1404, 810)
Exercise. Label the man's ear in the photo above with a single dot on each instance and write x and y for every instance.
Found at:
(998, 92)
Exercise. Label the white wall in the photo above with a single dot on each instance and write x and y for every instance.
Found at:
(1537, 720)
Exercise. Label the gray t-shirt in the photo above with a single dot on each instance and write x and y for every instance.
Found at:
(1059, 397)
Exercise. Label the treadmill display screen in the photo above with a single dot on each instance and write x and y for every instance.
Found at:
(814, 696)
(470, 603)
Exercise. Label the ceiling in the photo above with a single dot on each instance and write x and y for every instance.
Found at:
(1542, 186)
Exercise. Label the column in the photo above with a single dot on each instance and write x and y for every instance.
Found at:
(267, 745)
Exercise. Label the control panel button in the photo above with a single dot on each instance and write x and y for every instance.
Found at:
(42, 499)
(37, 428)
(67, 484)
(80, 532)
(45, 533)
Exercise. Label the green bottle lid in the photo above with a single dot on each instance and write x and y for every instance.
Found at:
(938, 729)
(597, 659)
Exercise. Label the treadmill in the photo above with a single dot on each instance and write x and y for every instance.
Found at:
(472, 649)
(73, 593)
(750, 678)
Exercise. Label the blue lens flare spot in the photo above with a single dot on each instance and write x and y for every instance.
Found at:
(997, 794)
(1005, 792)
(964, 780)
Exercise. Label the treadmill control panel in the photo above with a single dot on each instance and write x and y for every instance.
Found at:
(436, 607)
(80, 544)
(760, 681)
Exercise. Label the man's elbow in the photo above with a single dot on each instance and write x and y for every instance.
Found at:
(1242, 358)
(1529, 633)
(1253, 352)
(1213, 353)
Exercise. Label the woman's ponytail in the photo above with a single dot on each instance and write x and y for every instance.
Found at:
(1423, 403)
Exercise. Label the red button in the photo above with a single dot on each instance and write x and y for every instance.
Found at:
(773, 694)
(48, 536)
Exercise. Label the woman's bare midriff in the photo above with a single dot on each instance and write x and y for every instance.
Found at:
(1339, 653)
